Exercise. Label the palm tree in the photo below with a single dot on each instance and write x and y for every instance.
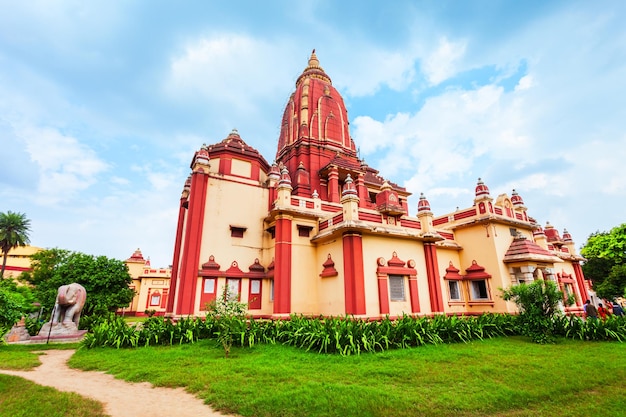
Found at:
(14, 229)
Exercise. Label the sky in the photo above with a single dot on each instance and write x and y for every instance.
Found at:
(103, 103)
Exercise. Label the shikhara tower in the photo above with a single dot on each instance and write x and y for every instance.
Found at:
(320, 232)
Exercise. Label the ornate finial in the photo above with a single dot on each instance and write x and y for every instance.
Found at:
(313, 70)
(423, 204)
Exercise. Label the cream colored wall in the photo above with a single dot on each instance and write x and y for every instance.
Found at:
(150, 283)
(232, 203)
(331, 293)
(135, 269)
(304, 270)
(488, 251)
(375, 247)
(19, 258)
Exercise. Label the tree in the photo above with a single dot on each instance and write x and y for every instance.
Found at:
(606, 262)
(105, 280)
(14, 229)
(538, 303)
(15, 302)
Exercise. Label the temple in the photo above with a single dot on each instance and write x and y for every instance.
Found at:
(319, 232)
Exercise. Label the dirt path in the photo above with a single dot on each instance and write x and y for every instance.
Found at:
(120, 398)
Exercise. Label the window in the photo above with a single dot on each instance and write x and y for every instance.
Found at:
(455, 293)
(237, 231)
(567, 290)
(233, 288)
(479, 290)
(271, 290)
(155, 299)
(396, 288)
(304, 231)
(209, 286)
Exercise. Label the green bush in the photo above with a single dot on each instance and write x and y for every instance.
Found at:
(538, 303)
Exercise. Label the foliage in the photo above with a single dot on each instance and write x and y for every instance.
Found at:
(14, 229)
(227, 317)
(33, 325)
(105, 280)
(114, 331)
(15, 302)
(606, 259)
(538, 303)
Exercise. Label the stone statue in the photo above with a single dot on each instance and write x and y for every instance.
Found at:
(65, 317)
(69, 303)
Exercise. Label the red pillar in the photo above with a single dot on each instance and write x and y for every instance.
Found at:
(415, 301)
(190, 263)
(354, 277)
(175, 263)
(383, 293)
(434, 284)
(282, 265)
(333, 185)
(362, 190)
(580, 280)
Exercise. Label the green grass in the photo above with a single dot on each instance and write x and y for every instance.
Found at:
(22, 398)
(502, 377)
(21, 357)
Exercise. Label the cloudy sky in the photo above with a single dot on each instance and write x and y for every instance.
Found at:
(103, 103)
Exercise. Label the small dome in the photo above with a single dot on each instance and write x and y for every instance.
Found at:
(516, 199)
(348, 186)
(481, 188)
(274, 172)
(566, 236)
(201, 157)
(423, 204)
(284, 177)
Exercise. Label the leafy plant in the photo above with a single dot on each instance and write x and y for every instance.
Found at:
(228, 318)
(538, 303)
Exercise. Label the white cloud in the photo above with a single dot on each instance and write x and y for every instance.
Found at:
(365, 69)
(233, 69)
(66, 166)
(443, 62)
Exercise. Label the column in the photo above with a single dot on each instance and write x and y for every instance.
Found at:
(354, 277)
(434, 284)
(175, 263)
(190, 264)
(282, 265)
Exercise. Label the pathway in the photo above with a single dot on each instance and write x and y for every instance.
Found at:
(120, 398)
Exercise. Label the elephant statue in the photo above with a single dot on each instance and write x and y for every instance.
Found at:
(69, 303)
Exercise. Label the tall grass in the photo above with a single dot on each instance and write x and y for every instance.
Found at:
(342, 335)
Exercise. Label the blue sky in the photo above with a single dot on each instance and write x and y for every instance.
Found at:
(103, 103)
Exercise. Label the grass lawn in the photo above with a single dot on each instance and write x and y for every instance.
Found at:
(499, 377)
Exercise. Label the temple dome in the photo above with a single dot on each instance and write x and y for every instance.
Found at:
(315, 114)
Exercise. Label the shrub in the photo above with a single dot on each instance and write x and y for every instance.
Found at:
(538, 303)
(227, 318)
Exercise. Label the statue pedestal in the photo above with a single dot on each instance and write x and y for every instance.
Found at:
(59, 333)
(18, 334)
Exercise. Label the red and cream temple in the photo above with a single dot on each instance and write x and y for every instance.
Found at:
(319, 232)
